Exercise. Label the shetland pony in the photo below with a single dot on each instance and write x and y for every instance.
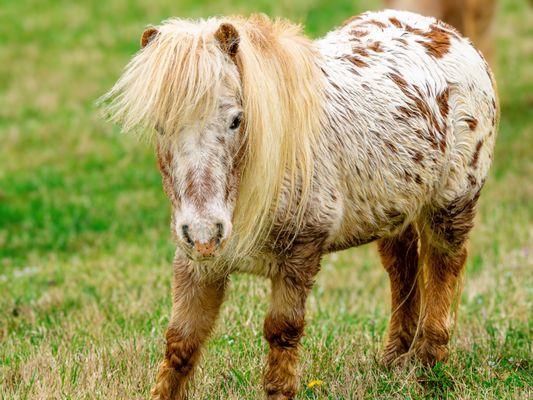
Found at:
(275, 150)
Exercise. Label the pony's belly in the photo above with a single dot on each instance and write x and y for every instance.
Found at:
(363, 222)
(263, 265)
(358, 236)
(348, 242)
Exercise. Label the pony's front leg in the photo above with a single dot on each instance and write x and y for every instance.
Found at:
(195, 306)
(285, 323)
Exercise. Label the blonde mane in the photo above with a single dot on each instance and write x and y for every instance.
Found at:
(179, 79)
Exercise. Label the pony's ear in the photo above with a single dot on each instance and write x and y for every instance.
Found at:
(148, 35)
(228, 38)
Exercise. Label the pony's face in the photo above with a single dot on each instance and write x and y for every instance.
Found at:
(191, 82)
(200, 169)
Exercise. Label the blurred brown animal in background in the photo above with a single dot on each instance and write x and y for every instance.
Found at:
(474, 18)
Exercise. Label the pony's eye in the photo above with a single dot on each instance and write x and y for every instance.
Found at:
(236, 122)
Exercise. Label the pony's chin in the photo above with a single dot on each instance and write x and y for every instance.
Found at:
(203, 264)
(209, 269)
(204, 260)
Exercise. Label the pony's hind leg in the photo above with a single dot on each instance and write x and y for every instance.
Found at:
(445, 233)
(399, 256)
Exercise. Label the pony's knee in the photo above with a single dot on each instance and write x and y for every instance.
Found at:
(180, 352)
(283, 333)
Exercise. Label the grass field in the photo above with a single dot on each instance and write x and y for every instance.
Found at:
(85, 248)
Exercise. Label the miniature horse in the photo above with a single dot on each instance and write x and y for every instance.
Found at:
(275, 150)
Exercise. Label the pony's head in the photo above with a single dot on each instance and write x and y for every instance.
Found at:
(236, 104)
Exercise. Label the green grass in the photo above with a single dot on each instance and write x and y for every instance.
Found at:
(85, 248)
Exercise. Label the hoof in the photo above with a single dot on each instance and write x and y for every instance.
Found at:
(279, 396)
(430, 354)
(396, 352)
(395, 359)
(168, 384)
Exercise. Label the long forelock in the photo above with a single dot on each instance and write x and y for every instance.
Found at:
(176, 79)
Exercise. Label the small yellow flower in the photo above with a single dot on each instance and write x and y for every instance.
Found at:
(315, 382)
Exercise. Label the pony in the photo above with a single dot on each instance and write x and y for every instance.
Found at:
(275, 149)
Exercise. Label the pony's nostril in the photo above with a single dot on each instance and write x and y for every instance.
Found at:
(220, 229)
(220, 232)
(186, 236)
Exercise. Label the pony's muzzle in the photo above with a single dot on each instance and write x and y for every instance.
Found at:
(205, 248)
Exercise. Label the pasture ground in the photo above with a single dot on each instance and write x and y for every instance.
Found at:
(85, 249)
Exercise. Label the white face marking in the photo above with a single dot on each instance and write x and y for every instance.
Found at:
(202, 167)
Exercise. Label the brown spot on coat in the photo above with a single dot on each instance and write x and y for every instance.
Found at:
(360, 51)
(407, 112)
(437, 41)
(391, 146)
(424, 109)
(419, 132)
(442, 101)
(442, 145)
(421, 105)
(401, 40)
(475, 157)
(398, 80)
(418, 157)
(377, 23)
(414, 31)
(358, 33)
(396, 22)
(375, 46)
(454, 32)
(355, 61)
(472, 123)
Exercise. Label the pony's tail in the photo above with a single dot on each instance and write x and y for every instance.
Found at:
(421, 280)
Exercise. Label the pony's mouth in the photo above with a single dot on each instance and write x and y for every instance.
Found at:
(199, 258)
(192, 255)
